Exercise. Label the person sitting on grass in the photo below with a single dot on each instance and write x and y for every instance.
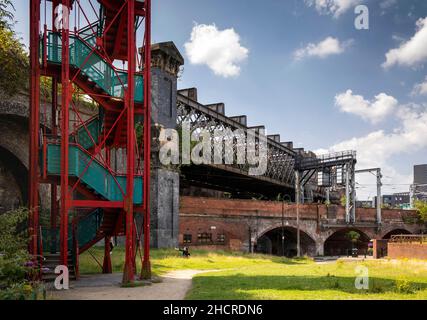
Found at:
(185, 252)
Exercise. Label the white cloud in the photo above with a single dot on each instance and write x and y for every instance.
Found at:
(220, 50)
(327, 47)
(420, 88)
(377, 149)
(387, 4)
(412, 52)
(373, 111)
(332, 7)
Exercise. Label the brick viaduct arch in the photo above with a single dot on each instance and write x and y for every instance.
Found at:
(14, 154)
(247, 221)
(321, 237)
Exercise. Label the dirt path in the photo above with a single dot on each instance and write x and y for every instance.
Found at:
(174, 286)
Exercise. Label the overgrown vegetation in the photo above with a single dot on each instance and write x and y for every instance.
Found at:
(14, 60)
(14, 71)
(6, 15)
(17, 271)
(421, 207)
(353, 237)
(343, 201)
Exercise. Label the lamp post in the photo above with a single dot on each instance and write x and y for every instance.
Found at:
(298, 200)
(283, 228)
(283, 222)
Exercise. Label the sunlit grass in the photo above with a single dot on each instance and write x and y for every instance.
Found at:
(163, 261)
(244, 276)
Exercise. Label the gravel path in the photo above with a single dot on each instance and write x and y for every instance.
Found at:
(174, 286)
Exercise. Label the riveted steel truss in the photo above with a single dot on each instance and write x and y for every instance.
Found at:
(280, 159)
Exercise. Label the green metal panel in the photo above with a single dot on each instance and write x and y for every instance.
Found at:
(96, 176)
(88, 227)
(93, 65)
(51, 238)
(82, 136)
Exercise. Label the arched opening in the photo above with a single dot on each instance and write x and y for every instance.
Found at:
(395, 232)
(271, 243)
(13, 181)
(343, 241)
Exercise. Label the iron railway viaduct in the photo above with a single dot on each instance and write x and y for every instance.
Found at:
(212, 205)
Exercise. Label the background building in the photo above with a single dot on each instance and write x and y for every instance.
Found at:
(419, 187)
(399, 200)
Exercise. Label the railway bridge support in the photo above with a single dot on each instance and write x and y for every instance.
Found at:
(271, 227)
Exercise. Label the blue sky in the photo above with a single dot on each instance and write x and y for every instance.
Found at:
(297, 98)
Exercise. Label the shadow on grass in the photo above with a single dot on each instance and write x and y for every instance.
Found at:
(170, 253)
(200, 259)
(234, 286)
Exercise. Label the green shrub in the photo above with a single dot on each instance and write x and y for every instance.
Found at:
(377, 287)
(16, 267)
(404, 286)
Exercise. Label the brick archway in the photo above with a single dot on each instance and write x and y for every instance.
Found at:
(269, 241)
(308, 228)
(394, 231)
(14, 142)
(338, 244)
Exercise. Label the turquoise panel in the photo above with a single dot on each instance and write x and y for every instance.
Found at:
(93, 65)
(88, 227)
(96, 176)
(50, 239)
(83, 137)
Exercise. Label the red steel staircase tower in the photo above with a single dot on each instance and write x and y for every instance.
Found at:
(76, 47)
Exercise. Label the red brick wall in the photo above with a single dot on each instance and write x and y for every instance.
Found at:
(407, 250)
(380, 248)
(234, 230)
(209, 206)
(224, 217)
(206, 206)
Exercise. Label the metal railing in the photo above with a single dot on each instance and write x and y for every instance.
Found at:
(409, 238)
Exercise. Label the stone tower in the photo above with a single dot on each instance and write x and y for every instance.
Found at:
(166, 62)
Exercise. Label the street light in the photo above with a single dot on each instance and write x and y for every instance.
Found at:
(298, 200)
(283, 221)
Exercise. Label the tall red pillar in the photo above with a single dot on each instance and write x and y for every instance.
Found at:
(128, 274)
(34, 126)
(66, 88)
(146, 265)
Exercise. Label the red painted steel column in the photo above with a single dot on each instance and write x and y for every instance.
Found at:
(107, 267)
(53, 186)
(34, 125)
(146, 269)
(65, 75)
(128, 274)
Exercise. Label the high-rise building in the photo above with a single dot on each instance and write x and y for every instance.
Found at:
(420, 174)
(419, 186)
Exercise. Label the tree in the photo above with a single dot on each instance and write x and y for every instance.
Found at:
(16, 268)
(354, 237)
(343, 201)
(421, 207)
(5, 14)
(14, 60)
(13, 248)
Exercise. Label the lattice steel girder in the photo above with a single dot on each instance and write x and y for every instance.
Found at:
(280, 159)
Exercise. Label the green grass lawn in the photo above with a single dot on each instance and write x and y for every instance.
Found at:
(245, 276)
